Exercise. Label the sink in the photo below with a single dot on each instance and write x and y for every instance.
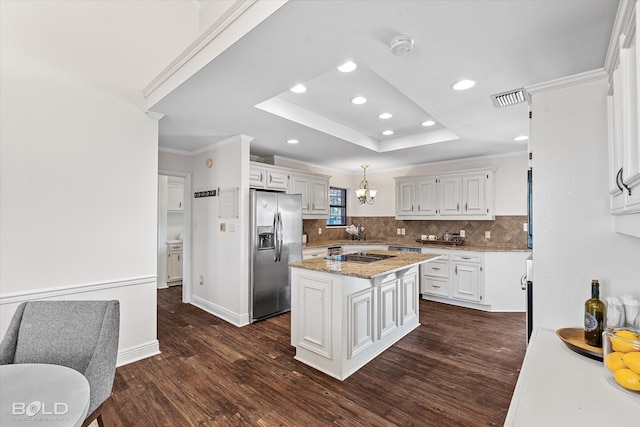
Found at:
(363, 259)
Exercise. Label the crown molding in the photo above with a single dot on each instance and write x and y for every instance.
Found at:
(623, 30)
(564, 82)
(227, 18)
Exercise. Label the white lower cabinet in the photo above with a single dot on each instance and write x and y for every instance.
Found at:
(174, 263)
(467, 280)
(456, 275)
(314, 253)
(340, 323)
(484, 280)
(314, 324)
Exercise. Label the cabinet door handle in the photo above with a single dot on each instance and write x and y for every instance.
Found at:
(180, 205)
(418, 208)
(466, 207)
(465, 257)
(307, 206)
(457, 206)
(435, 268)
(435, 286)
(270, 179)
(456, 269)
(411, 208)
(261, 177)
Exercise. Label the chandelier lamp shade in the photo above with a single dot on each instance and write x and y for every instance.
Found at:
(364, 193)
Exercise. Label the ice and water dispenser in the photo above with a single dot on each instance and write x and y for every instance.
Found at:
(265, 237)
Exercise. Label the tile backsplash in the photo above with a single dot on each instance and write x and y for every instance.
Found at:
(506, 231)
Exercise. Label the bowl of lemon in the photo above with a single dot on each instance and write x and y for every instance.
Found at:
(621, 357)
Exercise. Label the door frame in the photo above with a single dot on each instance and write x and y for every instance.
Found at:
(186, 239)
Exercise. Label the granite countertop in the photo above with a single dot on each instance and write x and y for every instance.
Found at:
(368, 270)
(414, 244)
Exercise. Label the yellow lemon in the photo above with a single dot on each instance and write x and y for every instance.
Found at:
(632, 360)
(624, 345)
(628, 379)
(614, 360)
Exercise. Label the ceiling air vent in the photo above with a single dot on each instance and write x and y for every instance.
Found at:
(511, 97)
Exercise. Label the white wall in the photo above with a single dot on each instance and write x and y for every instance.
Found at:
(78, 175)
(221, 257)
(574, 240)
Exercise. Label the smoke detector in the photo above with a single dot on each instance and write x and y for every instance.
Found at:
(401, 45)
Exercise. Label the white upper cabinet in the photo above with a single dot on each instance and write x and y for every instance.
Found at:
(174, 197)
(450, 195)
(624, 141)
(315, 194)
(468, 194)
(314, 188)
(268, 178)
(427, 197)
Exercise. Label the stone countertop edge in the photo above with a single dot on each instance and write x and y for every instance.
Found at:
(472, 248)
(365, 271)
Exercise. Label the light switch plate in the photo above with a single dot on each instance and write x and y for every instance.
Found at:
(462, 233)
(487, 234)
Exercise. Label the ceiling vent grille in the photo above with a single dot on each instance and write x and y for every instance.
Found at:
(511, 97)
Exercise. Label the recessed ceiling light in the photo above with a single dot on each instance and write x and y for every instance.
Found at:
(358, 100)
(292, 141)
(298, 89)
(463, 85)
(428, 123)
(347, 67)
(384, 116)
(521, 138)
(387, 132)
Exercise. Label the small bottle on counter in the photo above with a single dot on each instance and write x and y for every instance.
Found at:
(594, 315)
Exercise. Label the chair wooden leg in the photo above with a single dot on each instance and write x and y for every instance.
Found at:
(96, 415)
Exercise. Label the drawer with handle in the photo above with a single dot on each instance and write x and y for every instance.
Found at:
(436, 268)
(467, 257)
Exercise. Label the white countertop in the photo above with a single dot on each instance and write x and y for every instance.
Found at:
(558, 387)
(173, 242)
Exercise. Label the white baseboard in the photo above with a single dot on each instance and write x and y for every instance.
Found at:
(163, 285)
(221, 312)
(138, 352)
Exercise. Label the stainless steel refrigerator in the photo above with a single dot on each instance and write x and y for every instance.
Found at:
(276, 240)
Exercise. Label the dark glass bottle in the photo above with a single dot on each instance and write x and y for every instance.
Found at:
(594, 315)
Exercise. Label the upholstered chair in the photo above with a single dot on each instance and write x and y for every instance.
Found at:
(82, 335)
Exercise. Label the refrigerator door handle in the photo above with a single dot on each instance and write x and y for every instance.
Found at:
(280, 232)
(275, 237)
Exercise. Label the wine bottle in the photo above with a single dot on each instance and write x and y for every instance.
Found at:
(594, 315)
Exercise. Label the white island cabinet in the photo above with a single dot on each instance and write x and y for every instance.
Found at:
(342, 316)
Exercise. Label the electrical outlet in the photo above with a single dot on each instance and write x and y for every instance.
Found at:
(403, 230)
(398, 231)
(487, 234)
(462, 233)
(319, 230)
(525, 226)
(201, 279)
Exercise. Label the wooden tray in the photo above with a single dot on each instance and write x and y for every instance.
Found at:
(574, 339)
(441, 242)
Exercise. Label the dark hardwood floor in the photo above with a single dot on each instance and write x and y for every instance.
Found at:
(459, 368)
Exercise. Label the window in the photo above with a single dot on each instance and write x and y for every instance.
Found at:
(337, 206)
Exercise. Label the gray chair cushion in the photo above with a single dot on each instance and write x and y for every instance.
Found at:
(82, 335)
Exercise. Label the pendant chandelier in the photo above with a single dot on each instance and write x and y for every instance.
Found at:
(364, 194)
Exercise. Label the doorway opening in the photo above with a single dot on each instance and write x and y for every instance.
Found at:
(174, 232)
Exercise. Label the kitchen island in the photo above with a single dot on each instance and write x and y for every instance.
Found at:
(344, 314)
